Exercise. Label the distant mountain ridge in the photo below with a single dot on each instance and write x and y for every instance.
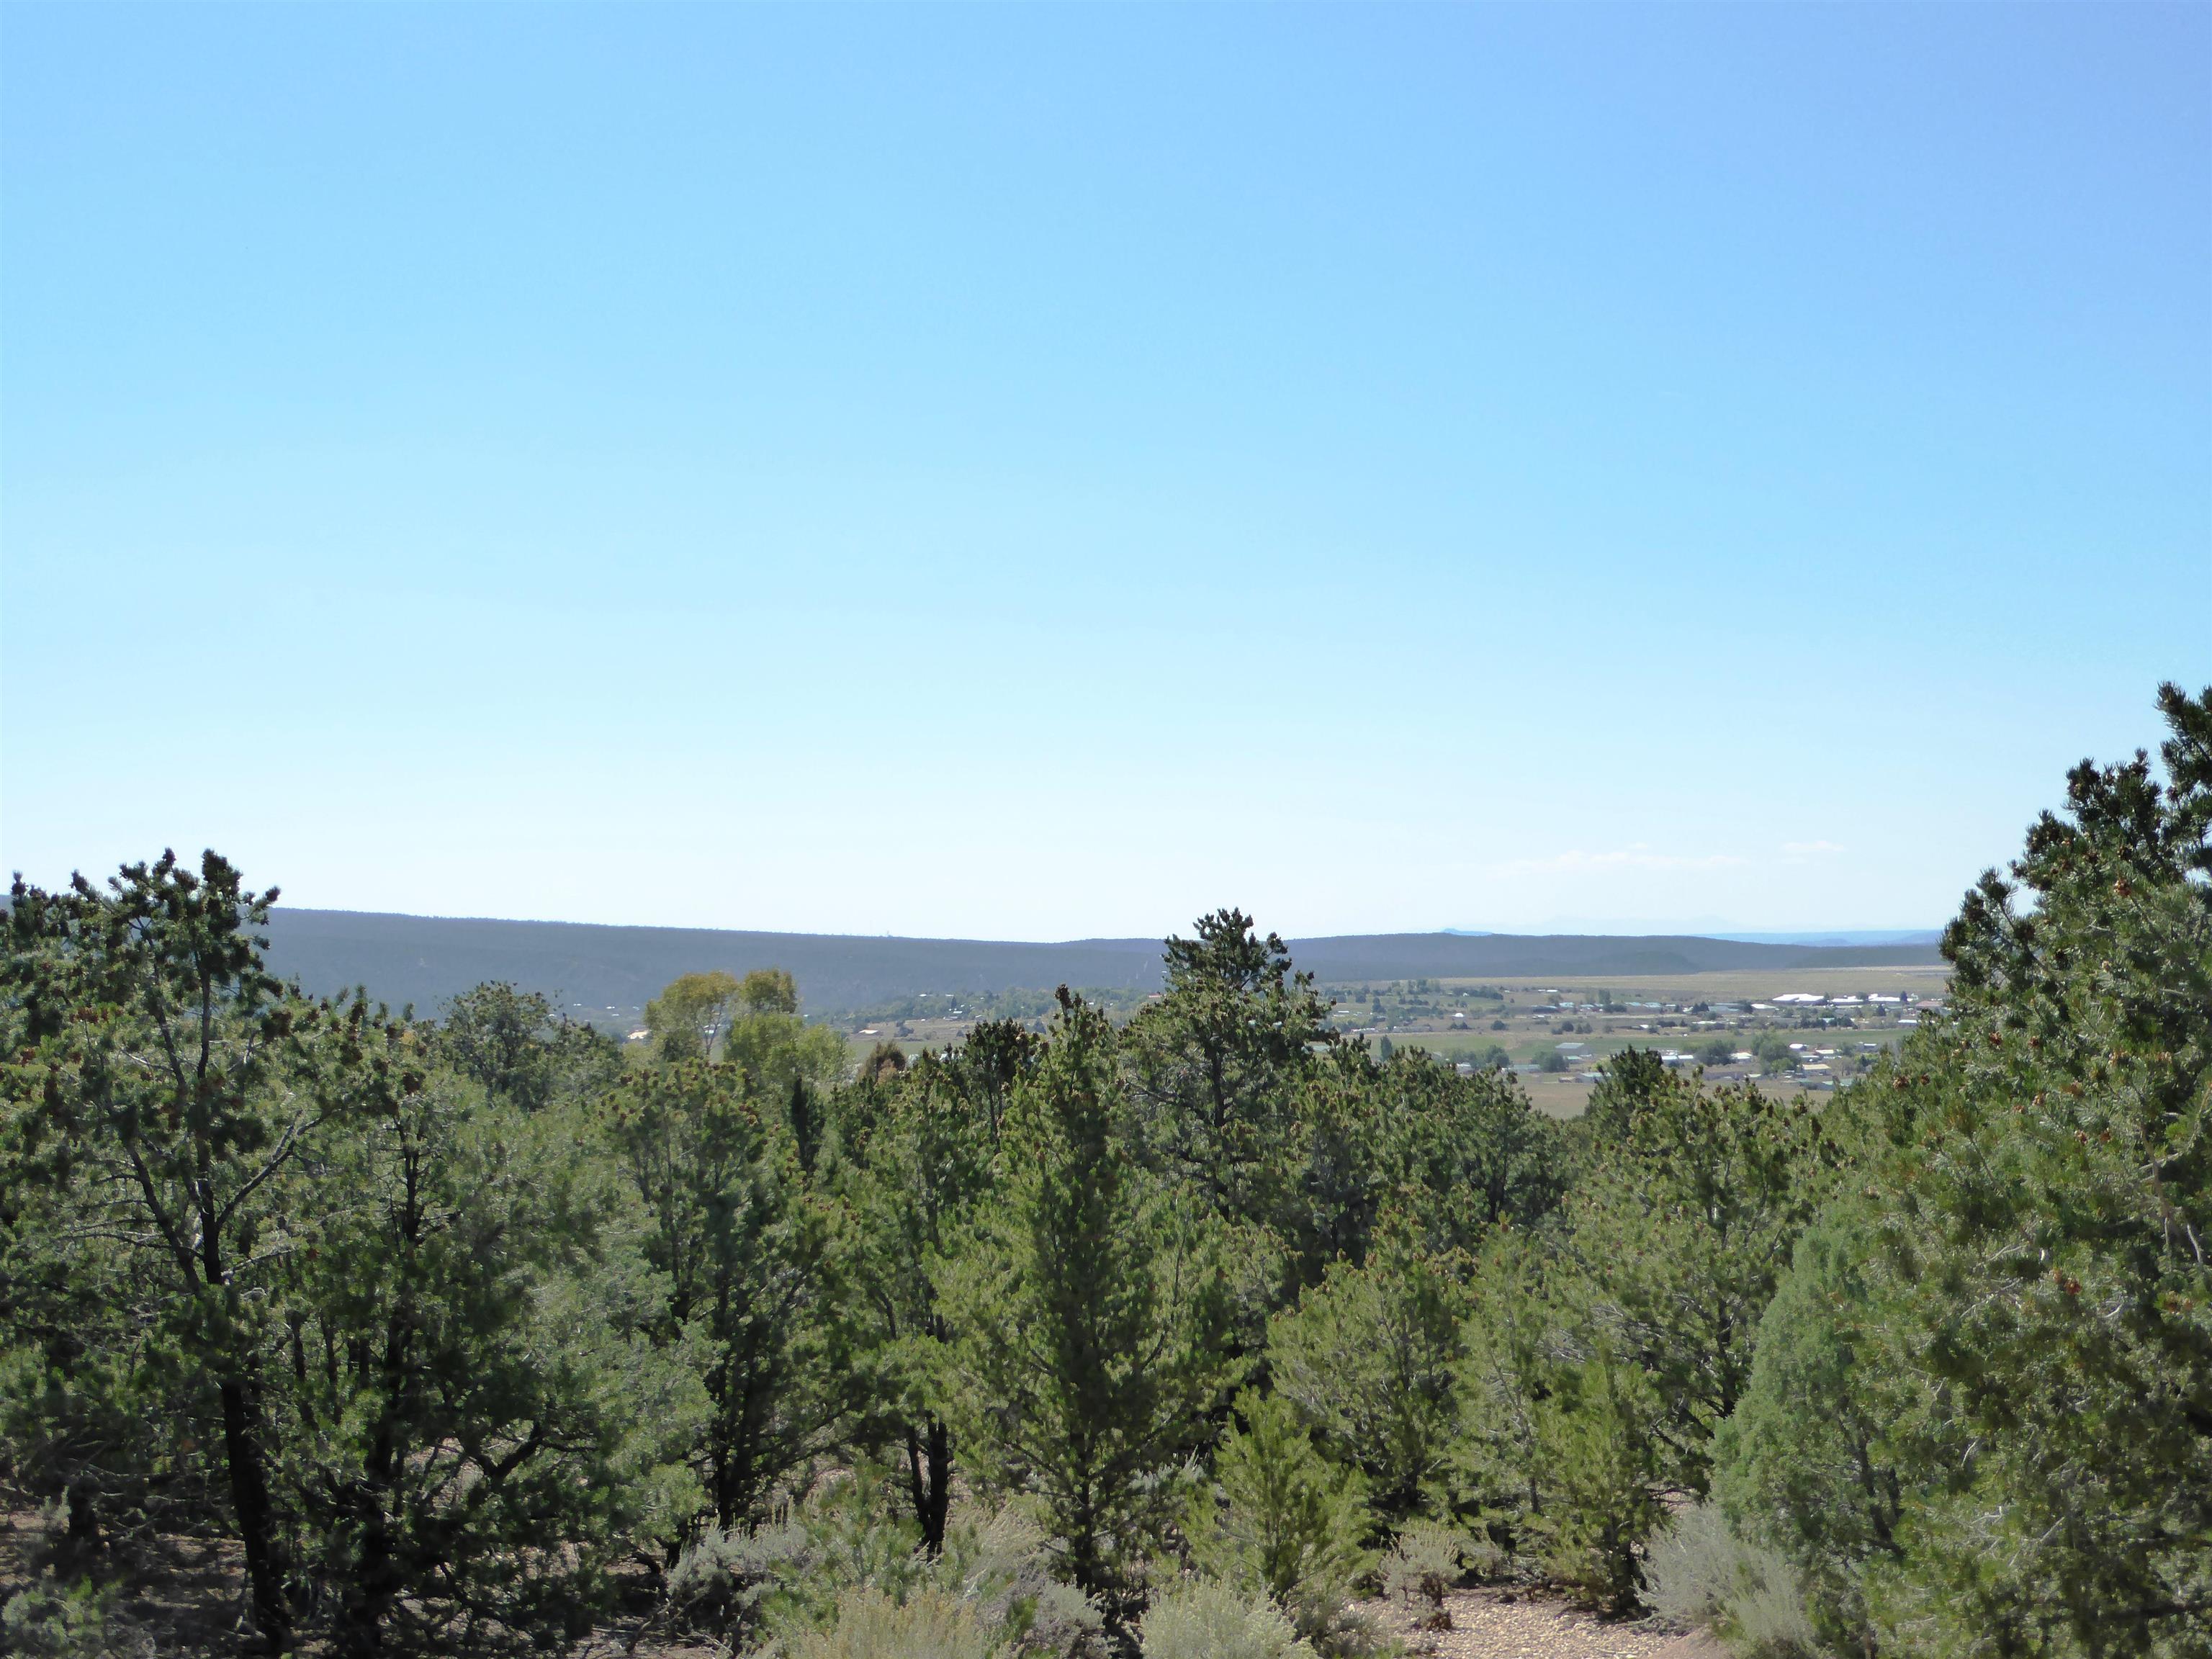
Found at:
(1845, 936)
(613, 970)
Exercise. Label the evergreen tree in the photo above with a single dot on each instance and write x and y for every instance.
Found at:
(1987, 1424)
(511, 1041)
(753, 1263)
(1450, 1156)
(1216, 1060)
(1596, 1465)
(1371, 1360)
(1463, 1153)
(94, 1415)
(1341, 1181)
(1090, 1318)
(1496, 1478)
(1285, 1521)
(175, 1083)
(1680, 1234)
(929, 1165)
(1804, 1459)
(463, 1450)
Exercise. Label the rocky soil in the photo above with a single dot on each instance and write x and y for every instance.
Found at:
(1501, 1624)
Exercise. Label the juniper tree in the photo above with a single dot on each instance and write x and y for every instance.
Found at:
(2029, 1325)
(1805, 1461)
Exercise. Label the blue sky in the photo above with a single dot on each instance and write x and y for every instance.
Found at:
(1039, 472)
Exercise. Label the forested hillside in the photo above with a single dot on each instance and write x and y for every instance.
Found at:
(1188, 1336)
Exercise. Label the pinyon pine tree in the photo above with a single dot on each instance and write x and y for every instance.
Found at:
(1091, 1319)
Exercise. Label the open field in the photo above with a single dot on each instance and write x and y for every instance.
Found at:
(1735, 984)
(1587, 1021)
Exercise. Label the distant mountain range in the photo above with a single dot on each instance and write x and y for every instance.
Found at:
(612, 972)
(1834, 936)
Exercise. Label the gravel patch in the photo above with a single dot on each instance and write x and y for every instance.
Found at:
(1503, 1625)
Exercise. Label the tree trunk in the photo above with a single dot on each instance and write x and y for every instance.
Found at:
(83, 1541)
(257, 1516)
(929, 1479)
(365, 1603)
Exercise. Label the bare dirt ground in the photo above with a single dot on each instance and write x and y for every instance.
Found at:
(174, 1594)
(1488, 1624)
(185, 1598)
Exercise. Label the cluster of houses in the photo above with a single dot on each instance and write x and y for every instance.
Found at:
(1813, 1064)
(1807, 1000)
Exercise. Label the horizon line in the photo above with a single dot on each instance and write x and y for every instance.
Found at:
(1733, 936)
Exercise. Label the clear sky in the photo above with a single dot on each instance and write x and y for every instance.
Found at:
(1045, 471)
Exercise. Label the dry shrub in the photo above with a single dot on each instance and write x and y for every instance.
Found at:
(1701, 1572)
(1202, 1618)
(1425, 1562)
(871, 1625)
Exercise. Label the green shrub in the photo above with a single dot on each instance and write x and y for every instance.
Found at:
(52, 1619)
(1370, 1357)
(1596, 1458)
(1002, 1564)
(740, 1582)
(1692, 1570)
(1287, 1522)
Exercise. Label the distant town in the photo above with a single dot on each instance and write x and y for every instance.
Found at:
(1557, 1036)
